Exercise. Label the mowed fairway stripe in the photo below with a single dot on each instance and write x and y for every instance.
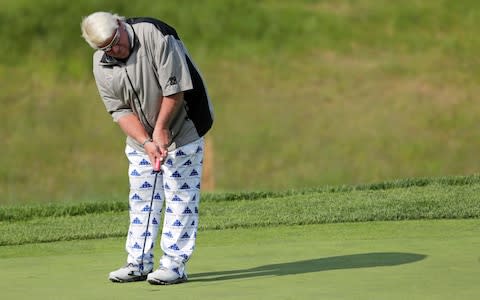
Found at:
(436, 259)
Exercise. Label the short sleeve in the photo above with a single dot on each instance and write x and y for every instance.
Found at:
(114, 105)
(171, 66)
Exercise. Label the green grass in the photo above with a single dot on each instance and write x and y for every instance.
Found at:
(404, 239)
(375, 260)
(306, 93)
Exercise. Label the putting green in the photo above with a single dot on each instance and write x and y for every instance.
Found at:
(377, 260)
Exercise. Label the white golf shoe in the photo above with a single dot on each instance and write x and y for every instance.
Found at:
(129, 273)
(165, 276)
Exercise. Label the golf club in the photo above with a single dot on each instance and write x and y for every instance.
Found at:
(156, 170)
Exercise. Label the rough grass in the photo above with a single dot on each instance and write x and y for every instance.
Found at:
(444, 198)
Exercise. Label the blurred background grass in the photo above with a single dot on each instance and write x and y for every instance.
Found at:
(306, 93)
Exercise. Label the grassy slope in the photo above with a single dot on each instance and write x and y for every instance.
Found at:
(350, 92)
(445, 198)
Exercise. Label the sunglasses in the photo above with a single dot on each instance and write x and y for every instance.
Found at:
(113, 43)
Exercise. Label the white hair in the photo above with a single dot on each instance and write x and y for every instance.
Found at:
(98, 27)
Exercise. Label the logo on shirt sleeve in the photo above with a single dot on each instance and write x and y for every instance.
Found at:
(172, 80)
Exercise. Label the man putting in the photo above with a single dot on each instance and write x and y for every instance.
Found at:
(153, 90)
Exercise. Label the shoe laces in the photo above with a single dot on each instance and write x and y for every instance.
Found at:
(165, 269)
(131, 265)
(134, 269)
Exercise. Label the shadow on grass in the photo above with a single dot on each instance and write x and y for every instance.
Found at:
(354, 261)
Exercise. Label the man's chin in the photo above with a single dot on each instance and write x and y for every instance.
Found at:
(122, 55)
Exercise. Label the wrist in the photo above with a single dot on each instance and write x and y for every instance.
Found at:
(148, 140)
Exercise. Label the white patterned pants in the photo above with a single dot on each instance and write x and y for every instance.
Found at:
(178, 186)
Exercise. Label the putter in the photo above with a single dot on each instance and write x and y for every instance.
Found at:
(156, 170)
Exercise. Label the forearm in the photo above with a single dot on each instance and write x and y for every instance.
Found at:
(168, 110)
(131, 126)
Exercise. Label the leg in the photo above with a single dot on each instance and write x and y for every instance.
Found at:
(182, 177)
(142, 179)
(141, 189)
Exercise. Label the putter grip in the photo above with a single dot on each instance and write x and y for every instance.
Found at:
(157, 165)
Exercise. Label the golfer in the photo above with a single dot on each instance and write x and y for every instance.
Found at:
(153, 90)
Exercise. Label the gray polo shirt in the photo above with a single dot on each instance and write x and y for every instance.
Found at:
(159, 65)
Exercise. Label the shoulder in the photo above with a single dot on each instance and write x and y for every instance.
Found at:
(146, 23)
